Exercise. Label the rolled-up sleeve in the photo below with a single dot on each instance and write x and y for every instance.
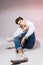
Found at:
(18, 32)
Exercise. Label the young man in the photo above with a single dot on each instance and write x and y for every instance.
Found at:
(24, 37)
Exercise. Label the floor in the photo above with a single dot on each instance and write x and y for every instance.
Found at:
(7, 52)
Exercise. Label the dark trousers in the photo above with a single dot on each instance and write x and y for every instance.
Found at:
(29, 43)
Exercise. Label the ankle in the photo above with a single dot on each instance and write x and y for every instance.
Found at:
(20, 51)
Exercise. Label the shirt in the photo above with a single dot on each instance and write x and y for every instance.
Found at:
(31, 29)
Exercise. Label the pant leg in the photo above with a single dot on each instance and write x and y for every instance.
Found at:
(29, 43)
(17, 40)
(17, 43)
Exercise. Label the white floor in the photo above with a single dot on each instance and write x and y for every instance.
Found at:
(35, 55)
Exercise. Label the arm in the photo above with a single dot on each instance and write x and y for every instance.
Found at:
(17, 33)
(30, 30)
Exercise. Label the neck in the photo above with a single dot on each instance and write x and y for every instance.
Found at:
(24, 26)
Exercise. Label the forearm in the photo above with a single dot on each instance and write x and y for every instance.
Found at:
(30, 31)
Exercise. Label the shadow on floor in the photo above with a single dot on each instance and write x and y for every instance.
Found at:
(10, 47)
(37, 45)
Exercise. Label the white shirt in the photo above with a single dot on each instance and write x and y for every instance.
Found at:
(31, 29)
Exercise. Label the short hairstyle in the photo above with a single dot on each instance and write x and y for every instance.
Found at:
(17, 19)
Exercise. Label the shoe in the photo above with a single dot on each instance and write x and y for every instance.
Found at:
(19, 59)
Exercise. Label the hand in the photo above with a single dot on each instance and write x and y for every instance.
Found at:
(9, 39)
(23, 40)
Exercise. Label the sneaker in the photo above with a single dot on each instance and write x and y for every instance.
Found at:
(20, 59)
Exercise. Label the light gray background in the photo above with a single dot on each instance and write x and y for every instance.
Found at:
(9, 11)
(28, 9)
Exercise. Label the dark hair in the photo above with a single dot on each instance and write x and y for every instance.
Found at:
(17, 19)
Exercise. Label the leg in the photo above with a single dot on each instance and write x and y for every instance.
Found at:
(29, 43)
(17, 41)
(20, 57)
(18, 44)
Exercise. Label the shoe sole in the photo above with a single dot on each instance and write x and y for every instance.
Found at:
(19, 61)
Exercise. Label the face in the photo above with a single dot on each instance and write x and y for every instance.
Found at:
(21, 23)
